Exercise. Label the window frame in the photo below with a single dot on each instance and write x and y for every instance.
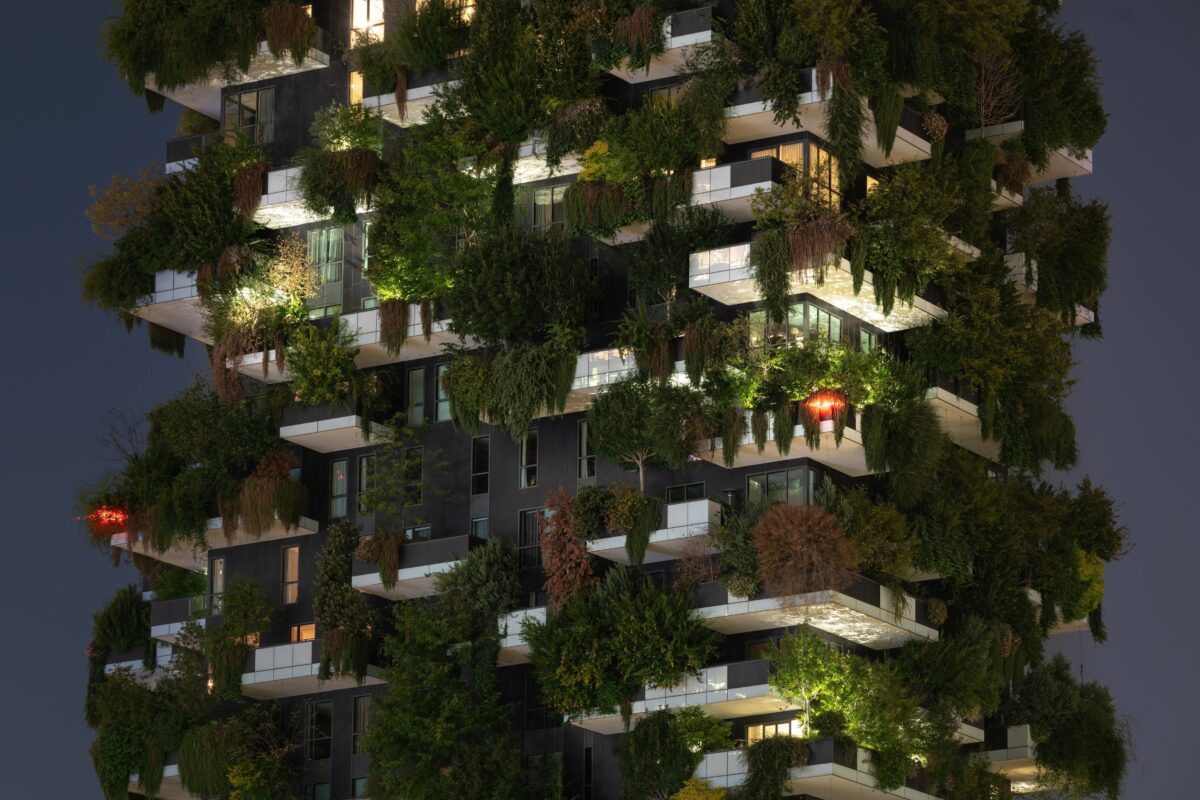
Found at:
(289, 586)
(338, 501)
(586, 458)
(359, 731)
(485, 474)
(528, 473)
(415, 407)
(310, 740)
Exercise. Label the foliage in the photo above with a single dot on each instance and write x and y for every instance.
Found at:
(636, 515)
(479, 587)
(739, 558)
(125, 203)
(123, 622)
(171, 582)
(245, 613)
(270, 494)
(512, 384)
(594, 652)
(343, 615)
(637, 424)
(321, 361)
(654, 758)
(516, 284)
(901, 432)
(878, 529)
(420, 39)
(701, 732)
(564, 551)
(768, 762)
(588, 511)
(341, 171)
(698, 789)
(959, 676)
(802, 549)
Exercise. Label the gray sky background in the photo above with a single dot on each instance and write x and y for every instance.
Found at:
(72, 123)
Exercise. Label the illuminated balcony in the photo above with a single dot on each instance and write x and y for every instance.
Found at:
(421, 95)
(420, 564)
(685, 524)
(282, 205)
(835, 771)
(594, 371)
(847, 457)
(1062, 164)
(175, 304)
(749, 116)
(194, 556)
(726, 691)
(731, 187)
(365, 327)
(726, 274)
(682, 32)
(1015, 757)
(531, 164)
(168, 617)
(513, 647)
(328, 428)
(205, 96)
(865, 613)
(960, 419)
(290, 670)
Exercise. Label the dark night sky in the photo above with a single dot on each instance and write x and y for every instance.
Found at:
(70, 365)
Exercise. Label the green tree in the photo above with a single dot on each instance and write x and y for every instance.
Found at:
(639, 424)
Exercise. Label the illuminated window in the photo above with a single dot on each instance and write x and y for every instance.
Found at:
(337, 489)
(291, 575)
(756, 733)
(803, 318)
(867, 341)
(529, 459)
(216, 574)
(548, 207)
(416, 396)
(795, 486)
(319, 741)
(355, 94)
(362, 723)
(367, 18)
(814, 161)
(304, 633)
(707, 163)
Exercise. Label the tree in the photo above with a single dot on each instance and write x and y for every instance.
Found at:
(564, 552)
(638, 424)
(343, 615)
(802, 549)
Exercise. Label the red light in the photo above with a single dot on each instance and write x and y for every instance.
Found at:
(107, 520)
(825, 405)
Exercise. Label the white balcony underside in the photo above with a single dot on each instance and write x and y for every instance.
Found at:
(1018, 761)
(297, 681)
(829, 611)
(283, 205)
(727, 277)
(675, 52)
(828, 781)
(734, 202)
(194, 557)
(332, 435)
(513, 647)
(411, 582)
(847, 458)
(687, 526)
(419, 100)
(960, 419)
(1062, 164)
(169, 632)
(745, 701)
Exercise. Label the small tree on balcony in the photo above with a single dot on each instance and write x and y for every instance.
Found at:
(802, 549)
(343, 615)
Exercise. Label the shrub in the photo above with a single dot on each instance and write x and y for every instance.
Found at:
(589, 510)
(124, 622)
(654, 758)
(343, 615)
(321, 361)
(636, 515)
(245, 613)
(802, 549)
(698, 789)
(768, 762)
(564, 552)
(342, 170)
(733, 537)
(480, 587)
(879, 530)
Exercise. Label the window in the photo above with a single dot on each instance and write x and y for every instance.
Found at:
(414, 464)
(867, 341)
(291, 575)
(548, 207)
(685, 492)
(479, 527)
(442, 412)
(587, 456)
(304, 633)
(418, 533)
(325, 246)
(216, 574)
(366, 473)
(529, 552)
(756, 733)
(587, 773)
(824, 324)
(337, 489)
(814, 160)
(480, 451)
(368, 17)
(320, 730)
(795, 486)
(359, 787)
(416, 396)
(318, 791)
(251, 114)
(529, 459)
(362, 723)
(803, 319)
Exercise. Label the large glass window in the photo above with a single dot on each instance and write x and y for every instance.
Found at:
(529, 551)
(867, 341)
(290, 570)
(803, 319)
(814, 160)
(587, 457)
(548, 207)
(319, 741)
(442, 411)
(304, 633)
(251, 114)
(529, 459)
(337, 488)
(362, 723)
(325, 251)
(479, 528)
(480, 452)
(756, 733)
(685, 492)
(796, 486)
(416, 396)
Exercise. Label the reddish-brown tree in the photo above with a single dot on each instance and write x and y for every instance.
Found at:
(802, 549)
(564, 553)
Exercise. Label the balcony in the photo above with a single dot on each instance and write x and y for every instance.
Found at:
(1016, 759)
(420, 564)
(513, 647)
(864, 613)
(960, 419)
(1063, 163)
(282, 205)
(834, 771)
(749, 116)
(175, 304)
(181, 151)
(195, 556)
(731, 187)
(328, 428)
(134, 661)
(594, 370)
(531, 164)
(681, 33)
(1003, 199)
(685, 524)
(1061, 625)
(290, 670)
(172, 786)
(1023, 274)
(726, 274)
(421, 95)
(726, 691)
(168, 617)
(847, 457)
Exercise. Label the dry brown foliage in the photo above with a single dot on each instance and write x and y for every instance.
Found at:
(393, 324)
(124, 203)
(1013, 168)
(935, 125)
(830, 72)
(248, 188)
(697, 565)
(802, 549)
(289, 26)
(260, 491)
(636, 31)
(997, 88)
(360, 168)
(427, 318)
(564, 553)
(816, 242)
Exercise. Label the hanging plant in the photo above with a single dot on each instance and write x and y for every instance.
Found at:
(823, 406)
(343, 615)
(649, 341)
(382, 549)
(393, 324)
(341, 172)
(290, 28)
(270, 494)
(248, 188)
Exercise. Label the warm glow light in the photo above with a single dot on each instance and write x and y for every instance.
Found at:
(825, 405)
(107, 520)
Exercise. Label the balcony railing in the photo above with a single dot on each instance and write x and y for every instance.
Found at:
(420, 563)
